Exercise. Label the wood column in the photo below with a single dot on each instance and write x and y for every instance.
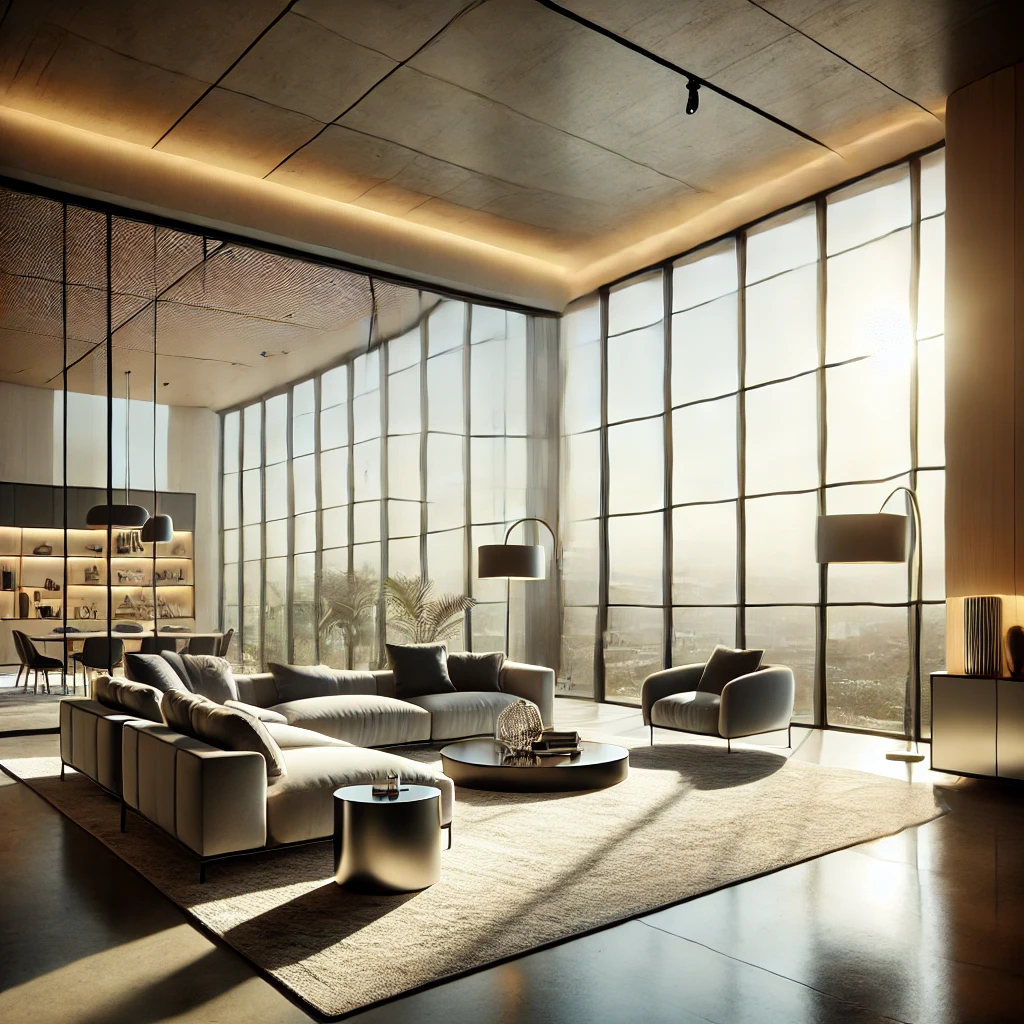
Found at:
(984, 348)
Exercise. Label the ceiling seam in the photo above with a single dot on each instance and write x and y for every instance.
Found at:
(227, 71)
(839, 56)
(341, 35)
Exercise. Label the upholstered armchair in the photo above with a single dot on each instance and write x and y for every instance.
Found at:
(760, 701)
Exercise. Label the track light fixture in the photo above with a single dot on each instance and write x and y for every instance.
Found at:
(693, 96)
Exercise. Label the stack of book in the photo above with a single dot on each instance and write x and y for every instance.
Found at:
(555, 741)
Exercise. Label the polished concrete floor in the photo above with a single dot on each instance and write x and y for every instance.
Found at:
(926, 926)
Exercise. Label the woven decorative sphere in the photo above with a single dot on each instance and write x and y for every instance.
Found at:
(519, 725)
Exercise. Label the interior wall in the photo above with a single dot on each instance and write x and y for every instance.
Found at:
(26, 426)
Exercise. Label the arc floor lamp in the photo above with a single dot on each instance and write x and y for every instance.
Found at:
(882, 537)
(513, 562)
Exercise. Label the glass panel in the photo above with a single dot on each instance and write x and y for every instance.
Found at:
(334, 477)
(335, 558)
(366, 463)
(696, 631)
(781, 564)
(230, 443)
(498, 480)
(633, 649)
(305, 532)
(579, 637)
(933, 658)
(252, 506)
(366, 373)
(931, 495)
(334, 427)
(869, 209)
(581, 408)
(231, 545)
(446, 559)
(487, 389)
(334, 387)
(230, 500)
(275, 487)
(404, 556)
(303, 412)
(486, 323)
(636, 372)
(782, 243)
(446, 326)
(871, 581)
(335, 526)
(366, 413)
(931, 295)
(933, 183)
(251, 580)
(404, 467)
(252, 444)
(787, 637)
(304, 616)
(252, 541)
(868, 304)
(931, 402)
(404, 351)
(636, 466)
(704, 554)
(782, 436)
(445, 482)
(782, 325)
(868, 417)
(488, 627)
(366, 558)
(230, 582)
(304, 483)
(704, 275)
(638, 303)
(404, 402)
(403, 518)
(635, 559)
(580, 569)
(867, 658)
(276, 538)
(444, 393)
(582, 476)
(704, 452)
(275, 621)
(366, 521)
(516, 377)
(704, 351)
(581, 323)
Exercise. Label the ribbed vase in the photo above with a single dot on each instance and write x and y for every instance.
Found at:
(983, 636)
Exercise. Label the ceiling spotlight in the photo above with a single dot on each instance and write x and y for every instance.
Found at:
(693, 97)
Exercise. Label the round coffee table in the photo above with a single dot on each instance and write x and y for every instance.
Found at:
(486, 764)
(389, 844)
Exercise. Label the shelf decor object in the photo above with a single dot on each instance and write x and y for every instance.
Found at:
(518, 726)
(882, 537)
(513, 562)
(983, 652)
(1015, 650)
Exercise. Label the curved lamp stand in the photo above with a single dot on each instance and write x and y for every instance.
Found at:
(513, 562)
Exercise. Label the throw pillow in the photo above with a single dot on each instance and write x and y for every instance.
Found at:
(420, 669)
(176, 708)
(229, 729)
(298, 682)
(476, 672)
(129, 698)
(211, 676)
(154, 671)
(725, 665)
(173, 658)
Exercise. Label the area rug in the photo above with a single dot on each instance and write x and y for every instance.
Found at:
(526, 870)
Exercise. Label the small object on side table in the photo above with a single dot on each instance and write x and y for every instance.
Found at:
(518, 726)
(1015, 648)
(983, 653)
(389, 786)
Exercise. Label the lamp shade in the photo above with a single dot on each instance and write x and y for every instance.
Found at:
(878, 537)
(121, 517)
(158, 530)
(511, 561)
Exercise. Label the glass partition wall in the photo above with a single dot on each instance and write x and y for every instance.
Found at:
(715, 406)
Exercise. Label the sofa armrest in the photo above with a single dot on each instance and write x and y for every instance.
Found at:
(681, 679)
(760, 701)
(533, 683)
(258, 689)
(385, 680)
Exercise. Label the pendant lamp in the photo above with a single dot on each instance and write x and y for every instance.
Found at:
(126, 516)
(158, 529)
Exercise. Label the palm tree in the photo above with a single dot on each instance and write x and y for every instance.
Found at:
(348, 601)
(414, 617)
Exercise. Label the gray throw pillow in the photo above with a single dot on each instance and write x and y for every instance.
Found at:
(299, 682)
(210, 676)
(420, 669)
(476, 672)
(154, 671)
(173, 658)
(129, 698)
(176, 708)
(229, 729)
(725, 665)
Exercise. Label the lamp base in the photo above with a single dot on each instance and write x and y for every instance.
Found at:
(904, 755)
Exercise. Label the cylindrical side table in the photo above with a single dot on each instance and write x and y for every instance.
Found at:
(390, 844)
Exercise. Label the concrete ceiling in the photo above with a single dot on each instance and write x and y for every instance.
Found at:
(496, 145)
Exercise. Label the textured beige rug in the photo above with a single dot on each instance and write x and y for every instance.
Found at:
(525, 870)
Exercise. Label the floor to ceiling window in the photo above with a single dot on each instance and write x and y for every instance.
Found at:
(713, 407)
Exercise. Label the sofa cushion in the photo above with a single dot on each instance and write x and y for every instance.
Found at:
(229, 729)
(419, 669)
(297, 682)
(476, 672)
(152, 670)
(693, 711)
(300, 805)
(210, 676)
(173, 658)
(362, 720)
(288, 737)
(263, 714)
(454, 716)
(129, 698)
(725, 665)
(176, 708)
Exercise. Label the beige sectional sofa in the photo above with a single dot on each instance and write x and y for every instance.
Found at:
(221, 802)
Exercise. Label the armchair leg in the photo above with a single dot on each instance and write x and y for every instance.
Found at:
(652, 734)
(62, 771)
(728, 746)
(789, 735)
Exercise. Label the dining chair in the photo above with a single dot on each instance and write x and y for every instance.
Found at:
(204, 645)
(156, 644)
(225, 643)
(34, 661)
(96, 657)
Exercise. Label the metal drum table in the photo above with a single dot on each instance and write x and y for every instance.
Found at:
(387, 843)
